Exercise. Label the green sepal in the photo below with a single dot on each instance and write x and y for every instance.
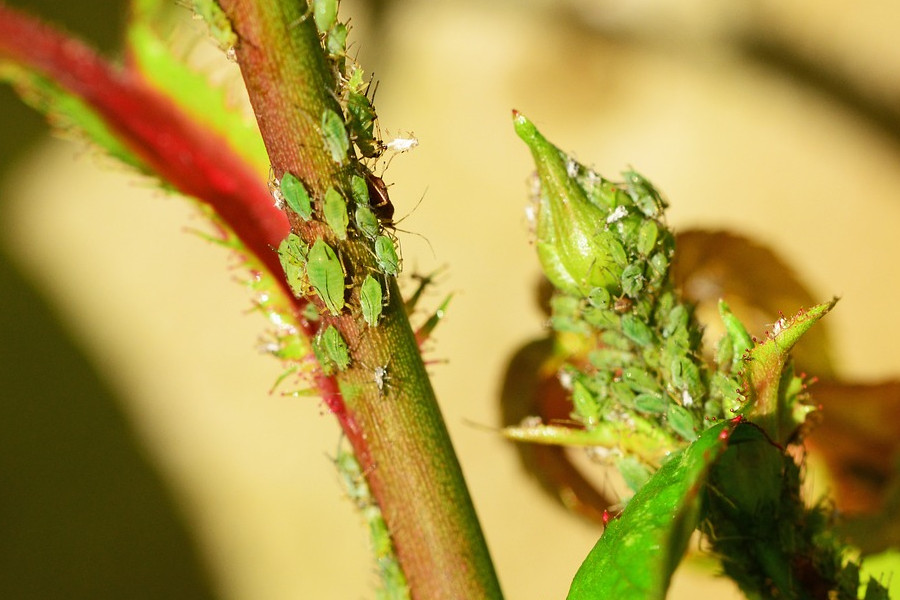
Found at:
(575, 251)
(768, 380)
(736, 336)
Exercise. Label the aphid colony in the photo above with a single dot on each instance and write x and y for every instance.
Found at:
(318, 267)
(632, 346)
(355, 209)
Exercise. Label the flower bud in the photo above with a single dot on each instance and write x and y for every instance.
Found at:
(576, 250)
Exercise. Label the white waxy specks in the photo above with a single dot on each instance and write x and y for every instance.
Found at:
(380, 376)
(531, 216)
(269, 348)
(687, 400)
(571, 168)
(565, 380)
(602, 454)
(402, 144)
(779, 326)
(231, 54)
(531, 421)
(279, 198)
(619, 213)
(281, 325)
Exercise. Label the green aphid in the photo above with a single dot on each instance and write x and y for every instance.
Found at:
(600, 192)
(601, 318)
(621, 393)
(599, 297)
(639, 380)
(336, 40)
(356, 83)
(677, 319)
(659, 265)
(335, 209)
(651, 403)
(636, 330)
(295, 195)
(336, 140)
(366, 221)
(633, 279)
(370, 300)
(292, 253)
(610, 358)
(681, 422)
(361, 121)
(359, 190)
(335, 347)
(686, 376)
(325, 274)
(615, 248)
(633, 472)
(325, 14)
(310, 312)
(629, 229)
(724, 356)
(386, 255)
(565, 306)
(321, 355)
(568, 324)
(612, 338)
(643, 194)
(647, 237)
(585, 404)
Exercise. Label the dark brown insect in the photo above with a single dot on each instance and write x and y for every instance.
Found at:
(379, 201)
(622, 305)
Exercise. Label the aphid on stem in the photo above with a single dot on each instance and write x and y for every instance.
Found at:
(325, 274)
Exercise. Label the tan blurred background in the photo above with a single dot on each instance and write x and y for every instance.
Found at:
(140, 453)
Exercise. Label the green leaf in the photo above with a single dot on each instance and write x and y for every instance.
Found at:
(153, 56)
(637, 554)
(67, 112)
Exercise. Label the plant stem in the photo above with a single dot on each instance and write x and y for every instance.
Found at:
(395, 428)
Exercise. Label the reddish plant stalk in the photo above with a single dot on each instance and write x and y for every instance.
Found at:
(401, 442)
(192, 159)
(196, 161)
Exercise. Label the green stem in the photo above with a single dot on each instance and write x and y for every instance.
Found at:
(395, 428)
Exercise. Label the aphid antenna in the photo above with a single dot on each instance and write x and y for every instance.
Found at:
(481, 426)
(393, 225)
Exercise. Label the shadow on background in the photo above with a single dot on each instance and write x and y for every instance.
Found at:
(83, 514)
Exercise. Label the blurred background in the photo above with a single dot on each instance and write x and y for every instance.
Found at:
(141, 455)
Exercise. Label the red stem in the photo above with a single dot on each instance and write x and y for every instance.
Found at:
(194, 160)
